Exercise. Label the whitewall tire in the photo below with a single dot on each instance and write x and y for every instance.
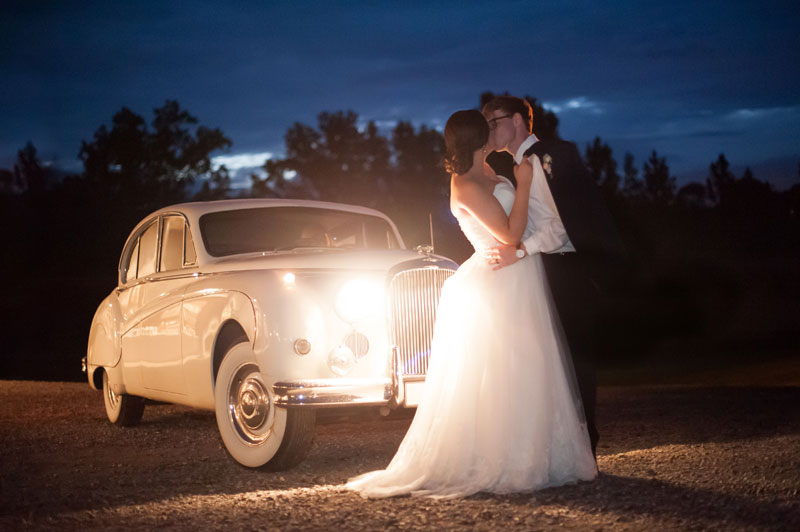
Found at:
(255, 432)
(123, 410)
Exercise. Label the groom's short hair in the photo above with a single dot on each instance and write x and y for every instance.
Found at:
(510, 105)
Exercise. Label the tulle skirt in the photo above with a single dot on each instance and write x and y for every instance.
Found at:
(500, 411)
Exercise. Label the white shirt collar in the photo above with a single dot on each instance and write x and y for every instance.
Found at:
(527, 143)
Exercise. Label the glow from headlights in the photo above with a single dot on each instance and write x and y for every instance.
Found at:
(359, 299)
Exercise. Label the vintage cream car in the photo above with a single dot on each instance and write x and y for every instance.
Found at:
(263, 311)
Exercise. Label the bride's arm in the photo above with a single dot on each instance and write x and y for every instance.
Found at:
(488, 211)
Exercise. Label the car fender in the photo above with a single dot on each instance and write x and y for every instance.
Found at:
(104, 347)
(274, 316)
(205, 311)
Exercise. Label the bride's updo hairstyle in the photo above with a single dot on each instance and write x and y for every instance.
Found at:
(465, 132)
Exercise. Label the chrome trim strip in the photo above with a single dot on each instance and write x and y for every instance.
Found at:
(159, 231)
(398, 388)
(168, 276)
(333, 392)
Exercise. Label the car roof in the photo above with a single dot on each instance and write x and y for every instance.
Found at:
(194, 210)
(198, 208)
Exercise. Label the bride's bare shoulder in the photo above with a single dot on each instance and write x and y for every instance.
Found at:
(467, 194)
(465, 185)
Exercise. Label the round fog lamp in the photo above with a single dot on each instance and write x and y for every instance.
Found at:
(341, 360)
(302, 346)
(357, 343)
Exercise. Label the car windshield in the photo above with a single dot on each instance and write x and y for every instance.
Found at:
(271, 229)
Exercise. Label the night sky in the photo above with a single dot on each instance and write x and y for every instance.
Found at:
(689, 79)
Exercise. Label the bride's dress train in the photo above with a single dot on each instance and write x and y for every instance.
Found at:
(500, 410)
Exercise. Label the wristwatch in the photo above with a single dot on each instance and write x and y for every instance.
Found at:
(520, 252)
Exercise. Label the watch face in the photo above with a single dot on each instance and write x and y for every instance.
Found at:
(520, 254)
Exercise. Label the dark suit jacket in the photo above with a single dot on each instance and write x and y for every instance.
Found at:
(582, 210)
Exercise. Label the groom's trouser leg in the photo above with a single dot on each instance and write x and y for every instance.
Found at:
(575, 297)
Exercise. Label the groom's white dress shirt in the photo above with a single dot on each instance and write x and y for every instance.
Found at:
(545, 233)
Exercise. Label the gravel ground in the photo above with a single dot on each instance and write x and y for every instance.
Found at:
(671, 458)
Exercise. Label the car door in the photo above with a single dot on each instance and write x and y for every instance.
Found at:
(151, 343)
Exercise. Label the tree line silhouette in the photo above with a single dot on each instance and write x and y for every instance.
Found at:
(700, 252)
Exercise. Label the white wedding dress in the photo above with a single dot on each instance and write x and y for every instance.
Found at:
(500, 411)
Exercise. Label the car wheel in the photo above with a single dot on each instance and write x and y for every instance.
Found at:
(121, 409)
(256, 433)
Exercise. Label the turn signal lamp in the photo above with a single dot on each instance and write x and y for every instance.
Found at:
(302, 346)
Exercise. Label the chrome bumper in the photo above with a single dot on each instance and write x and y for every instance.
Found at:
(334, 392)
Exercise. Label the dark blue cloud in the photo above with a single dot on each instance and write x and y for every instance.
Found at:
(677, 77)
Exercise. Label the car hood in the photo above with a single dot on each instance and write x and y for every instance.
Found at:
(324, 260)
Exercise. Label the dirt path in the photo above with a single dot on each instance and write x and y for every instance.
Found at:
(674, 458)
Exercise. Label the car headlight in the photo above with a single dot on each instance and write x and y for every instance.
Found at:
(341, 360)
(359, 299)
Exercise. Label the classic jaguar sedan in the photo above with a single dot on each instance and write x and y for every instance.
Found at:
(263, 311)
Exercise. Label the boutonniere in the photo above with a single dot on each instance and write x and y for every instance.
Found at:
(547, 165)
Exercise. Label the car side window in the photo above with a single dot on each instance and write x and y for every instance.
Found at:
(148, 251)
(189, 255)
(129, 272)
(171, 243)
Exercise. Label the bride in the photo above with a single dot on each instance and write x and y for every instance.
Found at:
(500, 411)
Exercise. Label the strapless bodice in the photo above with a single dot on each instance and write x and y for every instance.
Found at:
(477, 234)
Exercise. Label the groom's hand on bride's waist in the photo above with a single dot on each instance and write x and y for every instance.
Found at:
(502, 255)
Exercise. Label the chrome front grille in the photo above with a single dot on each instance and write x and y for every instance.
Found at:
(414, 296)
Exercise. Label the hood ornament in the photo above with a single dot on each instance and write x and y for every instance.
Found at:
(427, 250)
(424, 250)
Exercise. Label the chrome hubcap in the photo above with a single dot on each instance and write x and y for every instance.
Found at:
(250, 405)
(113, 399)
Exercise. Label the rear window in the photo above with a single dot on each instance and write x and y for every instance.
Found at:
(269, 229)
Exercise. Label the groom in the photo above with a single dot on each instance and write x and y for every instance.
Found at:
(570, 226)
